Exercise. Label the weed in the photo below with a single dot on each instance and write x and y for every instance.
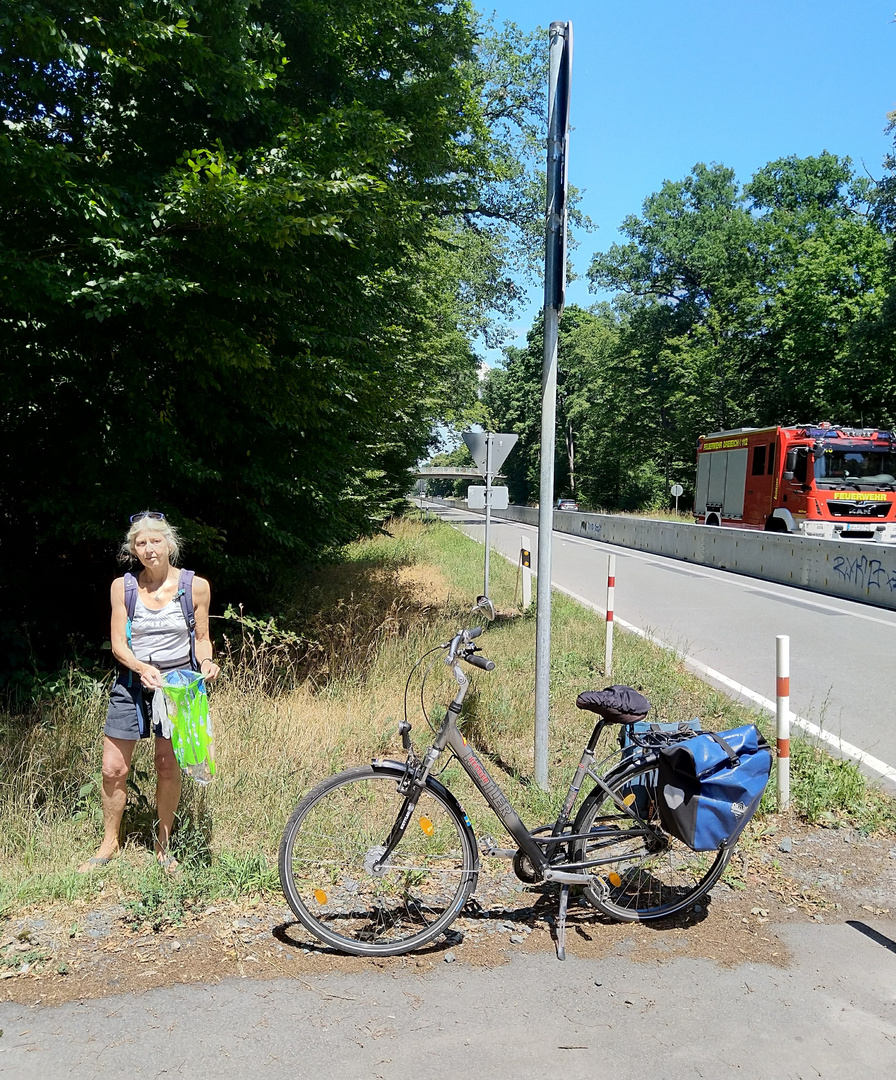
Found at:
(246, 875)
(160, 903)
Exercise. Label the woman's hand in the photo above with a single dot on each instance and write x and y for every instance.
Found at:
(151, 677)
(209, 669)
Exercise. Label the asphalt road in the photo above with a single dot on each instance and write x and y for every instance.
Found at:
(841, 652)
(827, 1014)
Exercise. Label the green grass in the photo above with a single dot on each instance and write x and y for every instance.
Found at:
(324, 690)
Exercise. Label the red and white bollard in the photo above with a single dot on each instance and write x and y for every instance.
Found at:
(782, 712)
(611, 592)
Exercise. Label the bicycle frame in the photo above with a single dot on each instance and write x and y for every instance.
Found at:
(539, 852)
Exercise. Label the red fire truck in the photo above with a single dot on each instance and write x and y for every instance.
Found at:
(815, 480)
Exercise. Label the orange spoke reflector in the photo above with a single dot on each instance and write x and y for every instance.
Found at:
(615, 879)
(426, 825)
(629, 799)
(320, 896)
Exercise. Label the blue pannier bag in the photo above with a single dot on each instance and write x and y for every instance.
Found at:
(648, 737)
(710, 786)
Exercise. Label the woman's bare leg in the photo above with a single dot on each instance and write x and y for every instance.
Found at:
(167, 798)
(117, 754)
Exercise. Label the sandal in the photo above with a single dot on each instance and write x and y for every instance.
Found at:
(94, 863)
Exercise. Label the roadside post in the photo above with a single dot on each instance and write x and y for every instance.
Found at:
(782, 711)
(611, 599)
(526, 567)
(489, 451)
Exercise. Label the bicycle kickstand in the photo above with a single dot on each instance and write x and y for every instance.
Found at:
(561, 922)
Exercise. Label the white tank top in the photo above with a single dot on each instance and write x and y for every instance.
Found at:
(160, 638)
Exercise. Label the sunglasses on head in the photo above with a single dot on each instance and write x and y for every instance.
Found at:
(157, 515)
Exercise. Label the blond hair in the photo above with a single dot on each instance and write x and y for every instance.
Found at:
(160, 527)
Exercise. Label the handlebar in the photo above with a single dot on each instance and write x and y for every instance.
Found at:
(480, 662)
(461, 647)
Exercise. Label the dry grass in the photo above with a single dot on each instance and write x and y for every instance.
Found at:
(321, 691)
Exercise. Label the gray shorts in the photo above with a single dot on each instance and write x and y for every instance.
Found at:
(130, 712)
(130, 708)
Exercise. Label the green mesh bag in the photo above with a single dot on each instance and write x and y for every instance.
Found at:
(191, 735)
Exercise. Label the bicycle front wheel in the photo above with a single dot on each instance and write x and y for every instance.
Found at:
(330, 863)
(641, 875)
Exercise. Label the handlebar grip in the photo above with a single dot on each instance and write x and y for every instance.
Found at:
(480, 662)
(474, 633)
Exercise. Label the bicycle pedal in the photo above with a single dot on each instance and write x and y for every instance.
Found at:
(598, 886)
(489, 846)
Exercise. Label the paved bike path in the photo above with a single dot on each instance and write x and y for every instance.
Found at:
(830, 1013)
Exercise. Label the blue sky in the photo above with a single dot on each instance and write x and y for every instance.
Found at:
(657, 87)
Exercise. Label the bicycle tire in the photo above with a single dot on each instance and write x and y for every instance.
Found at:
(330, 846)
(642, 880)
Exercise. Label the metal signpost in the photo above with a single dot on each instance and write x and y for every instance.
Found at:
(554, 289)
(677, 490)
(489, 451)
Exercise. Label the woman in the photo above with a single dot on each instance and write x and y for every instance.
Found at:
(159, 640)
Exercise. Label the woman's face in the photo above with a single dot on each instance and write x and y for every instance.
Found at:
(152, 549)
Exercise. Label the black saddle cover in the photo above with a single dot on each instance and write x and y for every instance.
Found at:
(618, 704)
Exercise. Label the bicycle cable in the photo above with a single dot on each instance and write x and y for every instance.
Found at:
(407, 685)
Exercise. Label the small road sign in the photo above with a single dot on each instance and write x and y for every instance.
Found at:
(477, 443)
(476, 496)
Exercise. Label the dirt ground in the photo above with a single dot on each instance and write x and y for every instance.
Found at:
(791, 873)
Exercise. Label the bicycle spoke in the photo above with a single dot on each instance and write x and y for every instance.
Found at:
(644, 873)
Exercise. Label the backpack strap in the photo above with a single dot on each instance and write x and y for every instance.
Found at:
(185, 595)
(130, 599)
(130, 604)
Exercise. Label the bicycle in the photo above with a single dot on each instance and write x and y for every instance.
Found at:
(380, 859)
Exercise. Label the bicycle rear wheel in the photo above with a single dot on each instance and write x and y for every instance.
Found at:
(331, 847)
(642, 877)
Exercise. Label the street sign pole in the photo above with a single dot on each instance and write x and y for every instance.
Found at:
(554, 288)
(488, 507)
(489, 450)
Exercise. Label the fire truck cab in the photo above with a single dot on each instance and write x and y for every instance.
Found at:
(815, 480)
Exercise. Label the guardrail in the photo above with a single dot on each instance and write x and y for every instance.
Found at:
(845, 568)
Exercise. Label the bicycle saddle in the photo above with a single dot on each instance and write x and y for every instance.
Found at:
(617, 704)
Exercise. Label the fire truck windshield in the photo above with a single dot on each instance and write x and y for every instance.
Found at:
(855, 466)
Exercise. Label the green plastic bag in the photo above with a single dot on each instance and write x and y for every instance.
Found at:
(191, 734)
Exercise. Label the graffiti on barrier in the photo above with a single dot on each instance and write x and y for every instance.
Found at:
(592, 527)
(866, 573)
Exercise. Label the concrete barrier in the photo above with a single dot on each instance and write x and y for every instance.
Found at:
(849, 569)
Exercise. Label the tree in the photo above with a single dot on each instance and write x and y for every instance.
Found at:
(512, 398)
(234, 254)
(824, 279)
(744, 307)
